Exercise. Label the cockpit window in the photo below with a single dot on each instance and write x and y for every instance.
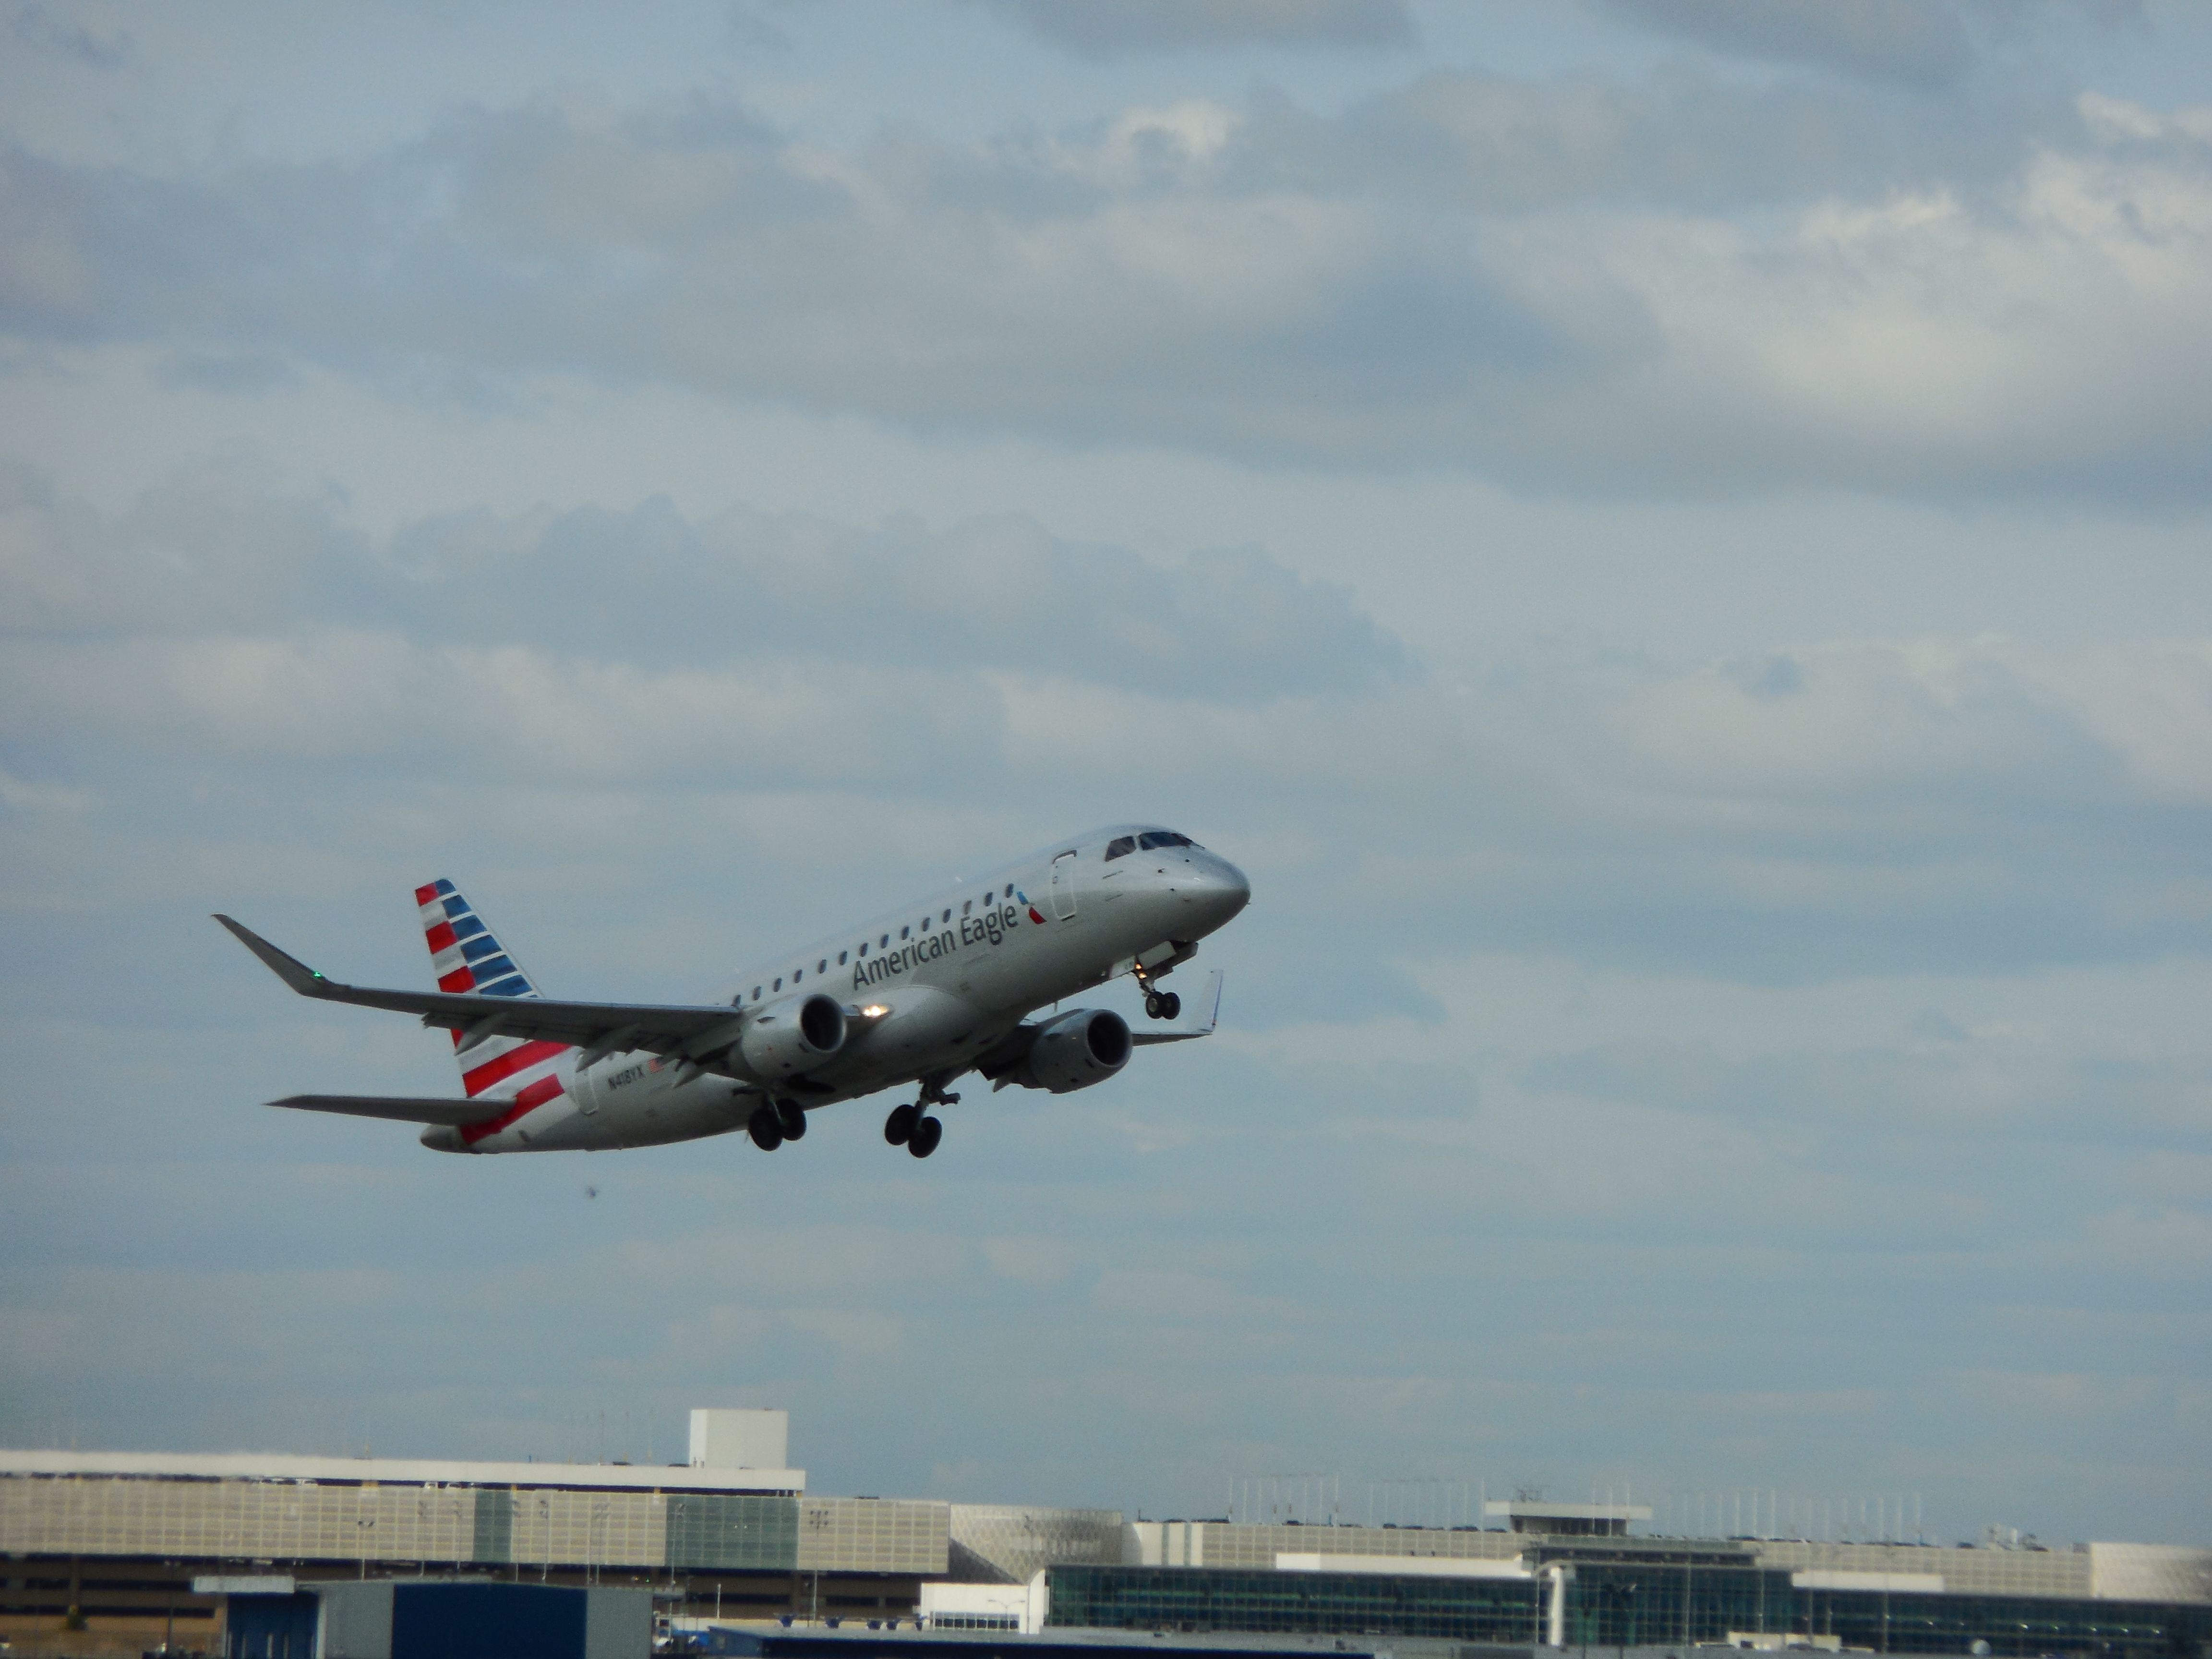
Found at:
(1119, 846)
(1152, 838)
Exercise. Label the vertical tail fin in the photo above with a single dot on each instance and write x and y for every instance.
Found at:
(463, 951)
(468, 957)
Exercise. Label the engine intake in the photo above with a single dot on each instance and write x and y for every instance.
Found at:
(790, 1037)
(1082, 1046)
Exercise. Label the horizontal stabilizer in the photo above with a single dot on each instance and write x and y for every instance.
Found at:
(1205, 1013)
(398, 1108)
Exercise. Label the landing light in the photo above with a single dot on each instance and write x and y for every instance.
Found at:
(874, 1011)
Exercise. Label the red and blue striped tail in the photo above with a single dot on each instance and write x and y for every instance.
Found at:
(510, 1074)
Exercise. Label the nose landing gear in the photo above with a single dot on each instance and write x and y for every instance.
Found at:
(1162, 1004)
(1158, 1004)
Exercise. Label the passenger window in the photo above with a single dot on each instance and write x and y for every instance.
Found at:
(948, 912)
(1119, 846)
(797, 975)
(841, 955)
(779, 985)
(822, 966)
(864, 947)
(755, 993)
(905, 932)
(967, 907)
(885, 941)
(1010, 890)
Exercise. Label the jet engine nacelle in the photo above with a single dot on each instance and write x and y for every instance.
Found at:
(1082, 1046)
(790, 1037)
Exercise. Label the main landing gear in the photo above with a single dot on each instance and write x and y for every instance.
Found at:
(907, 1127)
(912, 1127)
(775, 1121)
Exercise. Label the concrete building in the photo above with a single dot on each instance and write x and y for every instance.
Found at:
(112, 1541)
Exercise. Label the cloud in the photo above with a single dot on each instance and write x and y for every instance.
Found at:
(97, 43)
(1120, 28)
(1530, 282)
(1677, 139)
(217, 554)
(1923, 43)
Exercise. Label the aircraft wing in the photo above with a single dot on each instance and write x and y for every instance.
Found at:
(1209, 998)
(597, 1027)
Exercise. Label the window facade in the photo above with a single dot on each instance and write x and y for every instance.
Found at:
(1685, 1595)
(1500, 1610)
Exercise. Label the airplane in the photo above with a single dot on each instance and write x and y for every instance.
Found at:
(921, 995)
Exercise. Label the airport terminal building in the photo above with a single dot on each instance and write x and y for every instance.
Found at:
(119, 1552)
(115, 1538)
(1552, 1578)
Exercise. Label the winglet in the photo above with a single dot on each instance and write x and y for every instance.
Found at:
(1210, 999)
(293, 972)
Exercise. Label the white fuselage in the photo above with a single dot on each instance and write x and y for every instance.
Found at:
(928, 987)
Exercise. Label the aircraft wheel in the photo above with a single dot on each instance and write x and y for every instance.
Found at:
(1171, 1005)
(1152, 1000)
(766, 1128)
(791, 1118)
(926, 1133)
(898, 1128)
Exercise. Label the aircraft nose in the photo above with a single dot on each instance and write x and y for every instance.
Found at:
(1221, 890)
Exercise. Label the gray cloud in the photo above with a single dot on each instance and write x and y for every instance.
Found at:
(1113, 28)
(1181, 277)
(97, 46)
(1923, 43)
(1676, 140)
(213, 554)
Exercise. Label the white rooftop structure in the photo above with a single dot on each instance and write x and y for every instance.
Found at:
(713, 1476)
(745, 1439)
(1582, 1520)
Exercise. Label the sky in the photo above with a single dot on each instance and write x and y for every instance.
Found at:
(1669, 538)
